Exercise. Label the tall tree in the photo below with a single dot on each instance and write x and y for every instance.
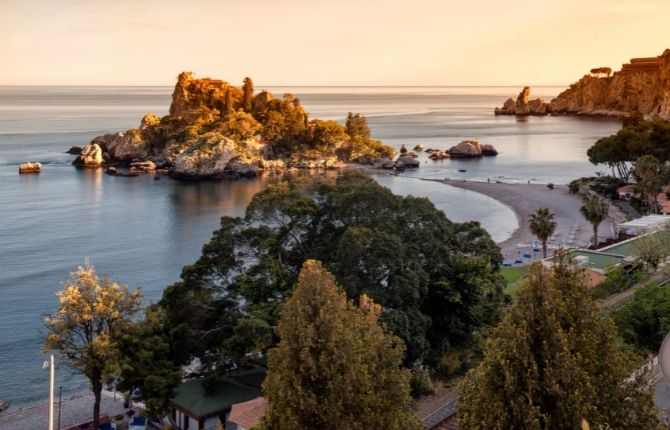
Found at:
(145, 364)
(554, 361)
(542, 225)
(247, 95)
(85, 328)
(594, 209)
(230, 102)
(335, 366)
(650, 174)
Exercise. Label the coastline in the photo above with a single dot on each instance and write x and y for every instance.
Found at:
(524, 199)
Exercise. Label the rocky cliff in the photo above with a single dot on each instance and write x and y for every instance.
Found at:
(641, 86)
(215, 130)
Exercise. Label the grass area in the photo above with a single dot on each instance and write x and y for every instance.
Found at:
(514, 277)
(628, 248)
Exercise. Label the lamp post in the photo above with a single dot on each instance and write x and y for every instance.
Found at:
(50, 364)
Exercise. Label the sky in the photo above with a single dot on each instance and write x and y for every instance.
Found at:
(324, 42)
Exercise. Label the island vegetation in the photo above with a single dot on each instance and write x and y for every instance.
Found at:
(216, 130)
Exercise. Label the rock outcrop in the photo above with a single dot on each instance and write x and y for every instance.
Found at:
(90, 156)
(211, 131)
(35, 167)
(471, 148)
(523, 105)
(641, 86)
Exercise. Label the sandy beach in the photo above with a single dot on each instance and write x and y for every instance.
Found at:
(75, 409)
(524, 199)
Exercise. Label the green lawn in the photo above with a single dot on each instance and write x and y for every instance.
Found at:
(514, 277)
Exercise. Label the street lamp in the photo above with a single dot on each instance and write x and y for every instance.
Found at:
(50, 365)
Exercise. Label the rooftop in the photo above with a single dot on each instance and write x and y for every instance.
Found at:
(248, 414)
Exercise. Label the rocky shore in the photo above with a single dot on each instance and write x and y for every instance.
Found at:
(642, 86)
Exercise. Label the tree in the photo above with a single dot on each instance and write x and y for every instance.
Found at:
(652, 249)
(91, 313)
(335, 365)
(542, 225)
(247, 95)
(438, 281)
(651, 175)
(553, 361)
(645, 321)
(229, 101)
(595, 210)
(145, 363)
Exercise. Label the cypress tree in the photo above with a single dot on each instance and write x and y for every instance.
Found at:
(247, 94)
(335, 367)
(554, 361)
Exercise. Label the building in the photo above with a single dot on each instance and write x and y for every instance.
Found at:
(627, 191)
(643, 225)
(201, 404)
(243, 416)
(663, 200)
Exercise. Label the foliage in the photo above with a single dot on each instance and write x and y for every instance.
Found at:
(419, 382)
(84, 330)
(652, 249)
(644, 321)
(238, 126)
(618, 280)
(514, 276)
(335, 366)
(636, 138)
(595, 210)
(438, 281)
(542, 225)
(553, 361)
(247, 95)
(145, 362)
(651, 175)
(607, 71)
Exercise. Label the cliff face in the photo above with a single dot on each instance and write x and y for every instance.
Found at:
(643, 86)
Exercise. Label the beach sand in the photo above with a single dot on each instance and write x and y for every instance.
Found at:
(524, 199)
(75, 409)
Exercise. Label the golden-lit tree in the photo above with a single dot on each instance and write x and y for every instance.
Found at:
(84, 330)
(335, 366)
(247, 94)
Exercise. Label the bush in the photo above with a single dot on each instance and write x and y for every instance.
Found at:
(419, 383)
(607, 186)
(619, 280)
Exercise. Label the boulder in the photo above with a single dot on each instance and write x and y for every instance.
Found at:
(143, 166)
(470, 148)
(411, 154)
(271, 165)
(438, 155)
(523, 105)
(408, 162)
(124, 146)
(91, 156)
(35, 167)
(4, 405)
(387, 164)
(207, 157)
(403, 149)
(111, 170)
(418, 148)
(489, 150)
(74, 150)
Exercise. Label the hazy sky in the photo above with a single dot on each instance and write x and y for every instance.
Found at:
(325, 42)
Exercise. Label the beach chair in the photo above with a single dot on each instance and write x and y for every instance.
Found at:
(138, 423)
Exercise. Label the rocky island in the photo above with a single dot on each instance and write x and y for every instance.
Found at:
(642, 86)
(217, 130)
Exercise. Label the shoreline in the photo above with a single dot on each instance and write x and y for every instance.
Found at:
(523, 200)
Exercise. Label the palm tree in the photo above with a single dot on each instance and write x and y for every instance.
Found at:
(542, 225)
(595, 211)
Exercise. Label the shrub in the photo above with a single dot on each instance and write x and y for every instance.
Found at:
(619, 280)
(419, 383)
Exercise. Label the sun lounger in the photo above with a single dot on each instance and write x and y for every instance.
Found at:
(138, 423)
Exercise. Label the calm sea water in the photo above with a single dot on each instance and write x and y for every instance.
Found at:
(142, 231)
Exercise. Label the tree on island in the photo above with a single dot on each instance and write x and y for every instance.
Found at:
(555, 361)
(438, 281)
(606, 71)
(85, 330)
(247, 94)
(542, 225)
(594, 209)
(335, 365)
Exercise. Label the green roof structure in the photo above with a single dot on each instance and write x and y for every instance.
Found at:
(193, 399)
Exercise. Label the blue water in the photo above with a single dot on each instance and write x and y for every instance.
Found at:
(142, 231)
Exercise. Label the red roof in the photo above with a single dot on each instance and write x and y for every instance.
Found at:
(248, 414)
(630, 188)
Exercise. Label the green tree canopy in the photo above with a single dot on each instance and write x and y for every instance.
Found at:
(651, 175)
(594, 209)
(438, 281)
(335, 366)
(542, 225)
(91, 314)
(553, 361)
(645, 321)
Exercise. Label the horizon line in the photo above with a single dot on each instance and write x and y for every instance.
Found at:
(296, 86)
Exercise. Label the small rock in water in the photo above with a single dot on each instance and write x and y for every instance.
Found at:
(462, 170)
(35, 167)
(3, 405)
(74, 150)
(157, 178)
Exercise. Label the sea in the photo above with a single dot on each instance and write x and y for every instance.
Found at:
(142, 231)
